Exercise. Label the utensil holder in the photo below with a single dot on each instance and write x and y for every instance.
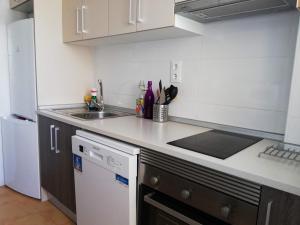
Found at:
(160, 113)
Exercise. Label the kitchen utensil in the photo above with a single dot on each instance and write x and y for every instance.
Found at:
(158, 96)
(171, 94)
(162, 98)
(160, 86)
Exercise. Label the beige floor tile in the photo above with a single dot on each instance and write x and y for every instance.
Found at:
(17, 209)
(34, 219)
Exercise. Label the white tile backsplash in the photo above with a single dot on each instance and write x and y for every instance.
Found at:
(237, 74)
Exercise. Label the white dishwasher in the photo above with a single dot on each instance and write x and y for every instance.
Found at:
(105, 174)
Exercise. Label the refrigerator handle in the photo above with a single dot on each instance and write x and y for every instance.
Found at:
(51, 138)
(57, 151)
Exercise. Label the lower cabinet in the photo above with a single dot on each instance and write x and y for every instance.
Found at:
(278, 208)
(57, 175)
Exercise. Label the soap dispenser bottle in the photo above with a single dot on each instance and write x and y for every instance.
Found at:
(149, 102)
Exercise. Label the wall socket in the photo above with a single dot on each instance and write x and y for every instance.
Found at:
(176, 72)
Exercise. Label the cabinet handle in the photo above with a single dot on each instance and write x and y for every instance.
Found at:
(51, 137)
(131, 20)
(140, 16)
(268, 215)
(56, 138)
(83, 12)
(77, 21)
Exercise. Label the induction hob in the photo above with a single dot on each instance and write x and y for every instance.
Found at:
(215, 143)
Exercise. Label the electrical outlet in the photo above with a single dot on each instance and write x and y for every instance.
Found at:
(176, 72)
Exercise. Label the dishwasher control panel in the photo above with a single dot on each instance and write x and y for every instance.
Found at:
(104, 156)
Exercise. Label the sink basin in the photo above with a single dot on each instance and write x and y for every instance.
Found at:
(98, 115)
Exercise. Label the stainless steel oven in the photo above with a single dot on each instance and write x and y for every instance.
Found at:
(176, 192)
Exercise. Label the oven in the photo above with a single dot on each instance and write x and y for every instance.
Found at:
(176, 192)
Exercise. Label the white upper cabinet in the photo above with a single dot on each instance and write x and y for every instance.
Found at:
(72, 18)
(152, 14)
(95, 18)
(89, 22)
(122, 16)
(84, 19)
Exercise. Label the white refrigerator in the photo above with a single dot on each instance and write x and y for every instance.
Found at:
(20, 130)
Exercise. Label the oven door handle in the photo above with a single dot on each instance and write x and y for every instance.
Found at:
(166, 209)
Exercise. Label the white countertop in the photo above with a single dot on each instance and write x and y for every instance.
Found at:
(280, 174)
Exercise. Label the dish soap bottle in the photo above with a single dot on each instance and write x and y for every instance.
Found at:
(149, 102)
(92, 106)
(139, 109)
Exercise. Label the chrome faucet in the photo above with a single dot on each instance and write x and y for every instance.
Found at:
(100, 100)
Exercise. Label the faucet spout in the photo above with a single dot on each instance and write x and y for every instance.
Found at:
(100, 99)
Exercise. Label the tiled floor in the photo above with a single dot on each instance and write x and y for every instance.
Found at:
(16, 209)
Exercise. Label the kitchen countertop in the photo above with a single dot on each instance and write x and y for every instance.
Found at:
(277, 173)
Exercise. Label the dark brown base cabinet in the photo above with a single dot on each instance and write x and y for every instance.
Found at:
(56, 160)
(278, 208)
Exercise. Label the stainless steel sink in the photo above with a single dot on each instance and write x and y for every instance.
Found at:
(98, 115)
(83, 114)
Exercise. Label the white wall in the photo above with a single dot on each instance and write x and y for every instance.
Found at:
(6, 16)
(293, 121)
(64, 72)
(237, 74)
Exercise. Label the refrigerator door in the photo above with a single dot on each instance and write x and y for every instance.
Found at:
(21, 156)
(21, 51)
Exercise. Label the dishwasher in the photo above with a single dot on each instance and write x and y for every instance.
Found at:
(105, 172)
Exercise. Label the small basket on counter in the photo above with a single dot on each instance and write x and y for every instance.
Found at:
(160, 113)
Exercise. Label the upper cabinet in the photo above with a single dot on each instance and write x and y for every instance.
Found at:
(122, 16)
(95, 18)
(87, 22)
(72, 20)
(152, 14)
(127, 16)
(84, 19)
(25, 6)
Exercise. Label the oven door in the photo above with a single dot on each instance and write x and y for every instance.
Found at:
(160, 209)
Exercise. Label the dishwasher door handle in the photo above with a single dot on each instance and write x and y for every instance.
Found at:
(148, 199)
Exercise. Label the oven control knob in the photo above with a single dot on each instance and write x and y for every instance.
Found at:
(154, 180)
(225, 211)
(185, 194)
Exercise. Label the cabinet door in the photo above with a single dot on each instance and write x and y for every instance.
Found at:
(15, 3)
(122, 16)
(95, 18)
(65, 170)
(152, 14)
(56, 160)
(278, 208)
(72, 20)
(48, 159)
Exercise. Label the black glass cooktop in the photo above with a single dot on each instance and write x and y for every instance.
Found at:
(219, 144)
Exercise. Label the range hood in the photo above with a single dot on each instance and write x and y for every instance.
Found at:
(214, 10)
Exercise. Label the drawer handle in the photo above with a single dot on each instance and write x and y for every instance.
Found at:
(51, 138)
(148, 198)
(268, 215)
(56, 140)
(140, 16)
(131, 19)
(83, 19)
(77, 21)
